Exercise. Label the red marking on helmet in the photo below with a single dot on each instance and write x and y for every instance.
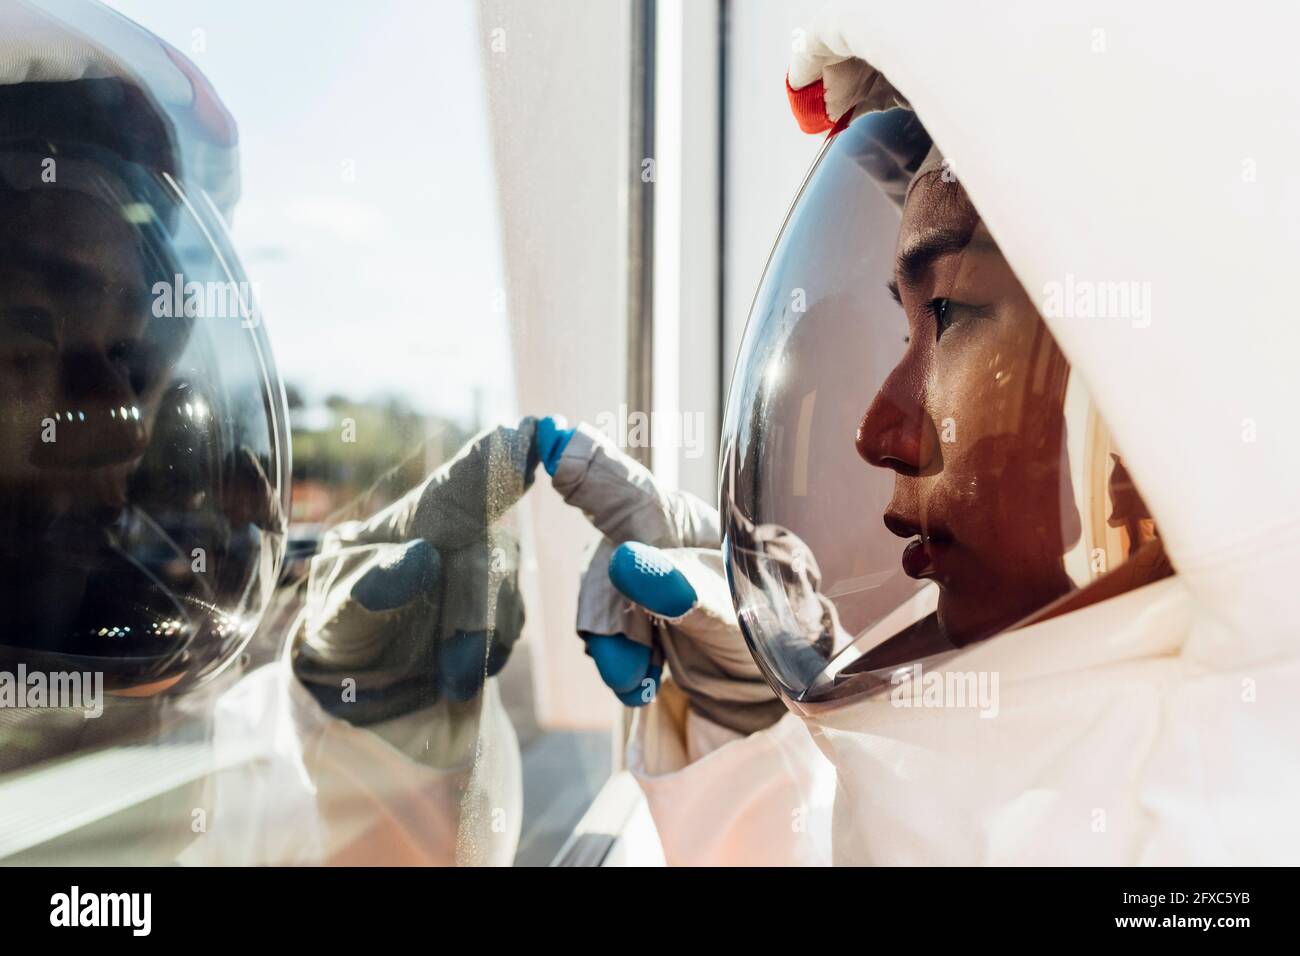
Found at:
(809, 106)
(211, 113)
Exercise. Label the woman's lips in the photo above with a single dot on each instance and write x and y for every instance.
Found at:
(924, 553)
(921, 555)
(916, 563)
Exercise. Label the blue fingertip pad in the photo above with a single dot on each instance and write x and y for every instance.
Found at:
(400, 579)
(644, 693)
(622, 662)
(648, 577)
(462, 664)
(552, 438)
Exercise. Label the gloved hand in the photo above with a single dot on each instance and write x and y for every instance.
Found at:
(420, 602)
(827, 83)
(654, 590)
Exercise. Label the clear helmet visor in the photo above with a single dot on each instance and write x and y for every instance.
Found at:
(143, 452)
(909, 463)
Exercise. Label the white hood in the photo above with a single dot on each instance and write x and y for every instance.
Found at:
(1129, 144)
(1145, 143)
(54, 41)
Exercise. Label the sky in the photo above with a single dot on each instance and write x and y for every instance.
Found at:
(369, 214)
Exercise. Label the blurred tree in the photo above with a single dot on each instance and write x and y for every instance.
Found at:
(352, 457)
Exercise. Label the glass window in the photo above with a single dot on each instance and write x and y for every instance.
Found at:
(428, 219)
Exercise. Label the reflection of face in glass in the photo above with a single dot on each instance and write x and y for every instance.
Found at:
(73, 315)
(972, 423)
(85, 370)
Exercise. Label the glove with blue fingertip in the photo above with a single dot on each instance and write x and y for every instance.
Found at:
(654, 591)
(420, 604)
(630, 669)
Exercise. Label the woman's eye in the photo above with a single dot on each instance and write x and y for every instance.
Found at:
(121, 351)
(942, 312)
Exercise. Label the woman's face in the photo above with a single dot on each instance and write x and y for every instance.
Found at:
(73, 310)
(971, 423)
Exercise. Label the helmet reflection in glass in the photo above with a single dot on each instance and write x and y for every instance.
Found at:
(142, 454)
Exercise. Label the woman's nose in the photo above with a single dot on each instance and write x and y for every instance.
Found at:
(896, 431)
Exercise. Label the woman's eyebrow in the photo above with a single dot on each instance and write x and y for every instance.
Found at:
(34, 322)
(915, 260)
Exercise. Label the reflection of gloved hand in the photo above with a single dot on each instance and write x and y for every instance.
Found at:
(654, 590)
(421, 601)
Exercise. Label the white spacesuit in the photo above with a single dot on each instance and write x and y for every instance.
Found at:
(1084, 223)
